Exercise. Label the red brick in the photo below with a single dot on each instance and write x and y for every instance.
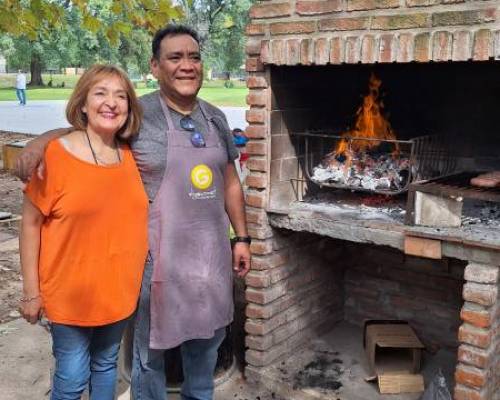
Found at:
(257, 279)
(253, 64)
(361, 5)
(257, 98)
(256, 82)
(306, 52)
(256, 180)
(296, 27)
(386, 48)
(318, 7)
(469, 17)
(496, 44)
(260, 231)
(461, 46)
(423, 3)
(406, 303)
(473, 356)
(465, 393)
(270, 10)
(482, 45)
(292, 52)
(421, 52)
(256, 29)
(405, 48)
(257, 164)
(441, 46)
(255, 198)
(257, 147)
(474, 336)
(481, 273)
(352, 50)
(336, 50)
(256, 131)
(256, 216)
(252, 47)
(344, 24)
(321, 51)
(368, 50)
(258, 342)
(478, 318)
(470, 376)
(266, 295)
(389, 22)
(261, 247)
(265, 52)
(273, 260)
(483, 294)
(416, 246)
(256, 116)
(278, 52)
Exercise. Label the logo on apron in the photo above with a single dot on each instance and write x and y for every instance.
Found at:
(202, 178)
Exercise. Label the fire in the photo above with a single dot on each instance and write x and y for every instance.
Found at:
(370, 123)
(367, 157)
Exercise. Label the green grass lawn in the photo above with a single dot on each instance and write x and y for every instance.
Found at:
(212, 91)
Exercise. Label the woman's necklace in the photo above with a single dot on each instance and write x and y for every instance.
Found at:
(97, 159)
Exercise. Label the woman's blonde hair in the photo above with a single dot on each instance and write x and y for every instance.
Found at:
(78, 119)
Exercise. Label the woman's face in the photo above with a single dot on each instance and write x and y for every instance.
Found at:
(106, 106)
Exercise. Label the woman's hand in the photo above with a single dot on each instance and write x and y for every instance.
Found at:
(32, 309)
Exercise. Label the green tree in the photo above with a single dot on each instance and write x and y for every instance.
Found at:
(40, 24)
(221, 25)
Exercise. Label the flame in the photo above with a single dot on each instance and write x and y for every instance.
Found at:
(370, 123)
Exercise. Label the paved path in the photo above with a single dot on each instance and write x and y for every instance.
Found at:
(42, 115)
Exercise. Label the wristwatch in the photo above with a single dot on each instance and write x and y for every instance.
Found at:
(244, 239)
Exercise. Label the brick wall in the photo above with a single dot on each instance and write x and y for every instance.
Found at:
(385, 283)
(294, 292)
(478, 371)
(367, 31)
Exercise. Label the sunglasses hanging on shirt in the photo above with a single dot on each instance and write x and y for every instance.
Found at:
(197, 139)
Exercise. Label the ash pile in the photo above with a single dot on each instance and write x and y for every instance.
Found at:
(363, 171)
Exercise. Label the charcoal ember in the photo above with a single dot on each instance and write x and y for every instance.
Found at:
(366, 171)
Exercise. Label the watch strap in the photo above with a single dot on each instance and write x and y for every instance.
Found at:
(244, 239)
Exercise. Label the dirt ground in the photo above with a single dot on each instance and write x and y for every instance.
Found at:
(11, 201)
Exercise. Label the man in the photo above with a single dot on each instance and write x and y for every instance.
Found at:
(185, 154)
(21, 87)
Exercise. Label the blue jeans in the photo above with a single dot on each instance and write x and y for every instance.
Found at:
(85, 356)
(199, 358)
(21, 96)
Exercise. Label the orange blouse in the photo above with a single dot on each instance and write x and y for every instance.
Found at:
(93, 240)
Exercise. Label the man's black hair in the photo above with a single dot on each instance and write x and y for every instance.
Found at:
(171, 30)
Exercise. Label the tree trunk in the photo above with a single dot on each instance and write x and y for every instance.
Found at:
(36, 70)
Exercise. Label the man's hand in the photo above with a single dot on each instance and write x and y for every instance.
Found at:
(241, 258)
(31, 157)
(32, 310)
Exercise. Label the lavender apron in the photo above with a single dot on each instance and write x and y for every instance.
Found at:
(191, 285)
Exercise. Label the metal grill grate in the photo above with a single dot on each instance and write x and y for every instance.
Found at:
(428, 157)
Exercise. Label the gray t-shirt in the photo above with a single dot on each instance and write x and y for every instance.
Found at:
(150, 146)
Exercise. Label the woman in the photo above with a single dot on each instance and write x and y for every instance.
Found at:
(83, 237)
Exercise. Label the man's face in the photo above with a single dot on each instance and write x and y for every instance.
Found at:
(179, 67)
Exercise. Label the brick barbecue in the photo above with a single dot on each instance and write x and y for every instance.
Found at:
(317, 265)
